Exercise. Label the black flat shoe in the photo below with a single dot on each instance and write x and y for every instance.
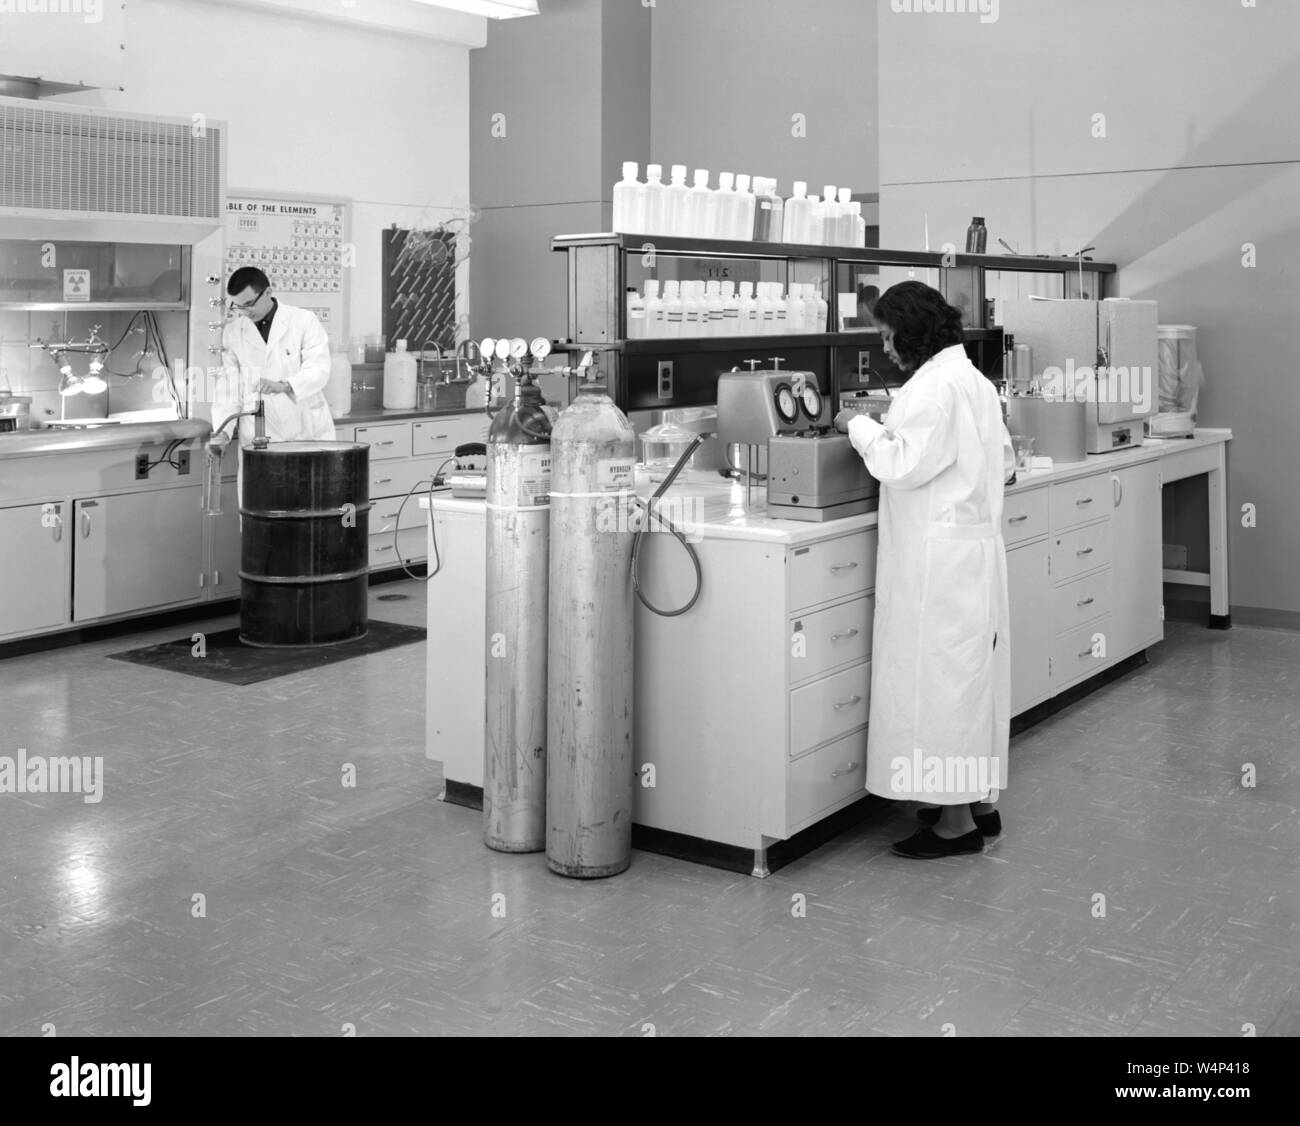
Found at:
(926, 844)
(990, 824)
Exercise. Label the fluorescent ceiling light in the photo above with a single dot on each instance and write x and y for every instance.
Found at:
(493, 9)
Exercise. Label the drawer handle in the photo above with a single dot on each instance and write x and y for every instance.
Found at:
(384, 481)
(1084, 551)
(847, 770)
(1082, 501)
(838, 567)
(850, 702)
(385, 547)
(1086, 602)
(1017, 519)
(1085, 653)
(845, 635)
(388, 443)
(440, 435)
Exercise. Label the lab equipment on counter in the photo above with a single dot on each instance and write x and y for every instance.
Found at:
(399, 379)
(589, 761)
(375, 344)
(15, 412)
(813, 473)
(977, 236)
(518, 561)
(1180, 382)
(338, 392)
(1100, 354)
(1024, 447)
(1059, 428)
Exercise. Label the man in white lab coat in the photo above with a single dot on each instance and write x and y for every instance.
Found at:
(279, 352)
(940, 671)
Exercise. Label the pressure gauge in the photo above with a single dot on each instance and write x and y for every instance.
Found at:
(812, 402)
(518, 348)
(503, 349)
(488, 348)
(540, 348)
(787, 408)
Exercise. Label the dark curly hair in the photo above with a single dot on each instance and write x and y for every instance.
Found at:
(923, 323)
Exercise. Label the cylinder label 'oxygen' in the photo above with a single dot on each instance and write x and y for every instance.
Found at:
(615, 474)
(534, 477)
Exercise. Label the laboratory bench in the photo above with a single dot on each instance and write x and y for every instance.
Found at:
(752, 707)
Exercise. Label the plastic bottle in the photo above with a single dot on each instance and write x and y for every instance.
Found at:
(338, 392)
(713, 306)
(820, 308)
(859, 225)
(635, 314)
(692, 308)
(654, 311)
(725, 213)
(794, 219)
(399, 379)
(679, 205)
(794, 309)
(672, 309)
(656, 202)
(813, 227)
(730, 310)
(976, 236)
(780, 311)
(748, 321)
(704, 207)
(845, 229)
(629, 202)
(766, 311)
(830, 212)
(769, 212)
(743, 231)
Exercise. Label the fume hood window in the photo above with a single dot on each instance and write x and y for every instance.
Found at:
(57, 272)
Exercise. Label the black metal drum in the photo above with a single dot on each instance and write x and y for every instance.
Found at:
(305, 543)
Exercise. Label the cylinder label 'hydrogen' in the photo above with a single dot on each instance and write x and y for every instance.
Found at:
(615, 474)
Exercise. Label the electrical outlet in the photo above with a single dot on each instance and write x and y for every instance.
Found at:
(141, 467)
(182, 462)
(665, 379)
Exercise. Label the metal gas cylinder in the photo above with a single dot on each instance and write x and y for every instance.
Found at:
(589, 763)
(518, 547)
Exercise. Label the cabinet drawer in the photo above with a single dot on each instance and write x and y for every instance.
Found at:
(383, 514)
(831, 637)
(443, 435)
(412, 543)
(829, 708)
(1083, 550)
(345, 433)
(828, 776)
(391, 440)
(832, 569)
(1073, 653)
(1077, 502)
(395, 479)
(1081, 601)
(1025, 515)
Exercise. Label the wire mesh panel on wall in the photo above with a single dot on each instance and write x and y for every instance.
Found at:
(420, 288)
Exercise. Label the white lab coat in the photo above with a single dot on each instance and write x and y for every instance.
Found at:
(296, 352)
(940, 687)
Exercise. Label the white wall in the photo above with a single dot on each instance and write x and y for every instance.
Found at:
(1201, 155)
(318, 108)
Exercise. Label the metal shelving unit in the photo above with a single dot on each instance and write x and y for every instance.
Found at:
(601, 267)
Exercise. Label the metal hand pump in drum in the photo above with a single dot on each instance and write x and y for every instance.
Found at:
(518, 547)
(214, 455)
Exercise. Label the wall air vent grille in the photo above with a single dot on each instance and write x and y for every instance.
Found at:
(76, 160)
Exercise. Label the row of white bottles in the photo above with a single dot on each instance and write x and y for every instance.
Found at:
(738, 210)
(721, 308)
(832, 219)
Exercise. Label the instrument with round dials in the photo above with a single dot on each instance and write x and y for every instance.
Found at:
(787, 406)
(488, 348)
(540, 348)
(503, 349)
(811, 400)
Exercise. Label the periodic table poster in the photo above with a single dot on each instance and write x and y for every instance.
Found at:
(300, 244)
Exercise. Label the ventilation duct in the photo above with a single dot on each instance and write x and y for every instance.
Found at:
(80, 172)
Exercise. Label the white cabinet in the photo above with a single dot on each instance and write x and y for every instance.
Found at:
(1136, 534)
(222, 579)
(33, 568)
(136, 551)
(1029, 588)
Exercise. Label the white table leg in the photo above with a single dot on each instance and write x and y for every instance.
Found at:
(1217, 480)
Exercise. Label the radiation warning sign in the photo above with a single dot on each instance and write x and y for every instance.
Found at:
(76, 285)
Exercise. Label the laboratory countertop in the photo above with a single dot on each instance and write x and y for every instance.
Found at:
(702, 505)
(32, 443)
(363, 418)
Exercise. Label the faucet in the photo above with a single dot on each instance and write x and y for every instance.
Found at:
(424, 348)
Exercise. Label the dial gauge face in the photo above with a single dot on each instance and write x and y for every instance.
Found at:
(518, 348)
(787, 409)
(503, 349)
(488, 348)
(540, 348)
(812, 402)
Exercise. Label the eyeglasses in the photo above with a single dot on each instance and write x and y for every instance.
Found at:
(241, 306)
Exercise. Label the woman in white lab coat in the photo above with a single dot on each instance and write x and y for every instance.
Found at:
(278, 352)
(940, 671)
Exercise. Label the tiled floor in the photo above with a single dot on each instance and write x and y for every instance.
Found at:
(373, 906)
